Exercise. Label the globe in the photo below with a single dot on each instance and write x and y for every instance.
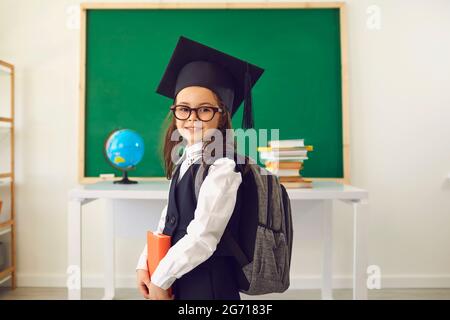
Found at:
(124, 149)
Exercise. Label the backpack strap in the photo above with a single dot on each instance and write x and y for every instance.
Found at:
(269, 200)
(202, 172)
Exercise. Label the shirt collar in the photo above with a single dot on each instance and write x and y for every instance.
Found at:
(194, 149)
(192, 152)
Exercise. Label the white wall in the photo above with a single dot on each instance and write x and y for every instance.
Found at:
(400, 148)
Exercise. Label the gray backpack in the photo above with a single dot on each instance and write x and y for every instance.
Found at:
(264, 247)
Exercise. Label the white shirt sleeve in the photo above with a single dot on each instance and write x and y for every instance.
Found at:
(215, 205)
(142, 262)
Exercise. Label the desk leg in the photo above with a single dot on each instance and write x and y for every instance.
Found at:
(327, 263)
(109, 251)
(74, 250)
(359, 254)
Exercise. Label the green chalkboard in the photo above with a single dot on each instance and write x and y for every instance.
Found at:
(300, 92)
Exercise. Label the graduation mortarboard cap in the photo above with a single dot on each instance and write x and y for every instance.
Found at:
(195, 64)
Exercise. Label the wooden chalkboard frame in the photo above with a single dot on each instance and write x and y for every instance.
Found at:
(167, 6)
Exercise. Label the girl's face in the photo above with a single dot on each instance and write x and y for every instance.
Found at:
(193, 129)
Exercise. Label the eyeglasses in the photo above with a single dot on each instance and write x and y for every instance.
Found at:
(203, 113)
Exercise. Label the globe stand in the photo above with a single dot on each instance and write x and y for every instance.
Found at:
(125, 179)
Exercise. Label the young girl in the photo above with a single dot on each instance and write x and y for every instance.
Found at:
(207, 87)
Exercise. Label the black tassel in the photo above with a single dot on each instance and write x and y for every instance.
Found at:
(247, 117)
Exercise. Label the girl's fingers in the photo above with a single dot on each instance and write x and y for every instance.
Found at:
(144, 290)
(143, 284)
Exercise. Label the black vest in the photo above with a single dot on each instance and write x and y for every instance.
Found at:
(182, 205)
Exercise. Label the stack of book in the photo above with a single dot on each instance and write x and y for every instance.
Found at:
(284, 158)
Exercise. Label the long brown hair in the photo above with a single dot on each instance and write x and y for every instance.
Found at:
(170, 124)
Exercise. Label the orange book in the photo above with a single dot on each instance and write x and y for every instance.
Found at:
(157, 247)
(284, 165)
(297, 185)
(293, 179)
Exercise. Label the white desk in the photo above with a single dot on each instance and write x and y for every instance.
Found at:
(323, 191)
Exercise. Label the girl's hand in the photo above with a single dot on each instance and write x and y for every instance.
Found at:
(157, 293)
(143, 281)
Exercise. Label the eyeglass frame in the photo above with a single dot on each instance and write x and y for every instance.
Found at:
(215, 110)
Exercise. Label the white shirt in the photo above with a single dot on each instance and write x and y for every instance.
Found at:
(215, 205)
